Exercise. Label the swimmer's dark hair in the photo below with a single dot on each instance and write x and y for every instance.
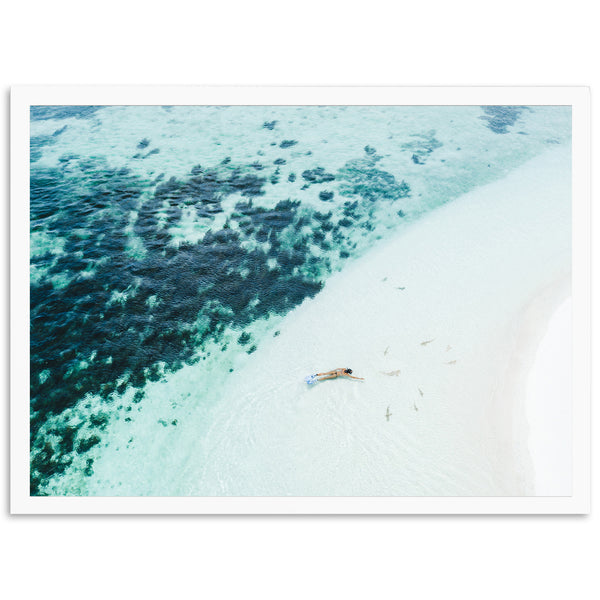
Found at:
(349, 371)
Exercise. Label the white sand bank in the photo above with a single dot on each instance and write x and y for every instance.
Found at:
(457, 303)
(549, 407)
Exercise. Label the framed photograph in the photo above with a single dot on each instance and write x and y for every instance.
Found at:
(300, 300)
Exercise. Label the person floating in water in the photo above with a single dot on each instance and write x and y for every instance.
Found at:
(310, 379)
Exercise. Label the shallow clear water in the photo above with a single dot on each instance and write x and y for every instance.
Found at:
(168, 242)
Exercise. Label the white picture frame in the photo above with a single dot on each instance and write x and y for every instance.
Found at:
(22, 97)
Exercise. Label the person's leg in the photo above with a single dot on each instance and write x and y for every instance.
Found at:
(327, 376)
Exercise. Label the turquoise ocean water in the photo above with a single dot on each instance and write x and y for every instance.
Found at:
(167, 242)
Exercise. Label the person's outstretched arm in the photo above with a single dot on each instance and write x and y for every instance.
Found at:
(352, 377)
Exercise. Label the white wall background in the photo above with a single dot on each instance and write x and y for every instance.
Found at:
(312, 42)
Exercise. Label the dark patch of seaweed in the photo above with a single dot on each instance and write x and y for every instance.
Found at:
(160, 295)
(500, 118)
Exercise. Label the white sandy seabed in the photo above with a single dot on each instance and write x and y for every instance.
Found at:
(444, 323)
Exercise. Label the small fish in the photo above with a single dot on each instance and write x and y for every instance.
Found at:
(415, 407)
(420, 392)
(400, 288)
(386, 351)
(388, 414)
(427, 342)
(452, 362)
(391, 373)
(384, 279)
